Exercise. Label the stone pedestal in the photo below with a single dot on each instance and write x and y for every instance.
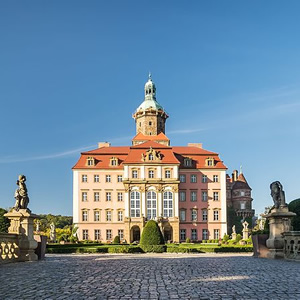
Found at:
(245, 234)
(279, 222)
(21, 223)
(233, 236)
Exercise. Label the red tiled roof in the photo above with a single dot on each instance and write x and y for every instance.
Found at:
(141, 137)
(133, 154)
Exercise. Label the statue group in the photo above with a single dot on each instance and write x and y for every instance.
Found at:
(21, 194)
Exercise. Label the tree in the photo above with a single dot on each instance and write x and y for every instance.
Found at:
(294, 206)
(4, 222)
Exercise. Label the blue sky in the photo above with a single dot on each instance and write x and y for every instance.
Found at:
(72, 73)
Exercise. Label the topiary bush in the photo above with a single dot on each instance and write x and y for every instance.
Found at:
(116, 240)
(188, 240)
(151, 236)
(238, 238)
(226, 238)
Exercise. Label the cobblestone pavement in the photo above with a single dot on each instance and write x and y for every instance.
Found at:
(151, 276)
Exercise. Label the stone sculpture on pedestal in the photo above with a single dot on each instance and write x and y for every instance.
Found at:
(245, 230)
(233, 236)
(52, 233)
(279, 219)
(21, 222)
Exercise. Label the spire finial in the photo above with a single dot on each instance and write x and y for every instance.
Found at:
(241, 169)
(149, 76)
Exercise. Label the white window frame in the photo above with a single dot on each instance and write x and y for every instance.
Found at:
(108, 216)
(168, 204)
(151, 173)
(97, 234)
(182, 215)
(96, 178)
(204, 215)
(120, 196)
(182, 234)
(193, 178)
(194, 234)
(96, 216)
(84, 196)
(108, 234)
(168, 174)
(107, 178)
(85, 234)
(120, 178)
(182, 196)
(85, 216)
(204, 178)
(216, 215)
(204, 195)
(216, 196)
(193, 196)
(120, 216)
(84, 178)
(215, 178)
(204, 234)
(151, 205)
(135, 204)
(96, 196)
(182, 178)
(134, 174)
(216, 234)
(121, 234)
(108, 196)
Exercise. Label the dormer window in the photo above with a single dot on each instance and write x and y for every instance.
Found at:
(187, 162)
(114, 162)
(210, 162)
(151, 157)
(90, 161)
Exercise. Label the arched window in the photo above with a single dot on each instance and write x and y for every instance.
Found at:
(168, 204)
(135, 204)
(151, 205)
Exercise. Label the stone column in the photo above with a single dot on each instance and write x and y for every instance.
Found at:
(279, 222)
(21, 223)
(245, 234)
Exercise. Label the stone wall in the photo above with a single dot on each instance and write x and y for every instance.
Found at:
(9, 247)
(292, 245)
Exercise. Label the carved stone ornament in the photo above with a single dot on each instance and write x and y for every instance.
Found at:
(21, 194)
(151, 156)
(277, 194)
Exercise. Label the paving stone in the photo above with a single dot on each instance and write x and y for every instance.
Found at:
(151, 276)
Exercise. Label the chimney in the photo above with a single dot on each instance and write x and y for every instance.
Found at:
(235, 175)
(103, 144)
(197, 145)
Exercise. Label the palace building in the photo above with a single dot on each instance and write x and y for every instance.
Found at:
(116, 190)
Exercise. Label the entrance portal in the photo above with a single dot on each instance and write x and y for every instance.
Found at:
(135, 233)
(168, 233)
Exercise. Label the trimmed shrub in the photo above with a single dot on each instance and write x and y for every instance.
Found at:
(152, 235)
(188, 240)
(238, 238)
(154, 248)
(116, 240)
(226, 238)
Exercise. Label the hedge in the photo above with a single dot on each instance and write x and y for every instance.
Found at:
(154, 248)
(185, 249)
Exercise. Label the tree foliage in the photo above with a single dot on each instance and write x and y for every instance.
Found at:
(294, 206)
(62, 222)
(152, 235)
(4, 222)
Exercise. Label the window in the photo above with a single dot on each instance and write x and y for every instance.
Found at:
(96, 215)
(193, 196)
(114, 162)
(216, 215)
(210, 162)
(168, 174)
(243, 205)
(187, 162)
(216, 234)
(84, 178)
(85, 234)
(96, 178)
(182, 178)
(204, 215)
(135, 204)
(193, 178)
(120, 216)
(182, 196)
(151, 157)
(204, 234)
(150, 123)
(120, 178)
(84, 196)
(194, 215)
(134, 174)
(182, 234)
(108, 196)
(90, 161)
(107, 178)
(151, 205)
(151, 174)
(182, 215)
(108, 216)
(96, 196)
(204, 196)
(120, 196)
(242, 193)
(108, 234)
(97, 235)
(121, 234)
(216, 196)
(216, 178)
(168, 204)
(204, 178)
(194, 235)
(84, 216)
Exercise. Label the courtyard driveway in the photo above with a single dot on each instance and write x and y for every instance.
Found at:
(151, 276)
